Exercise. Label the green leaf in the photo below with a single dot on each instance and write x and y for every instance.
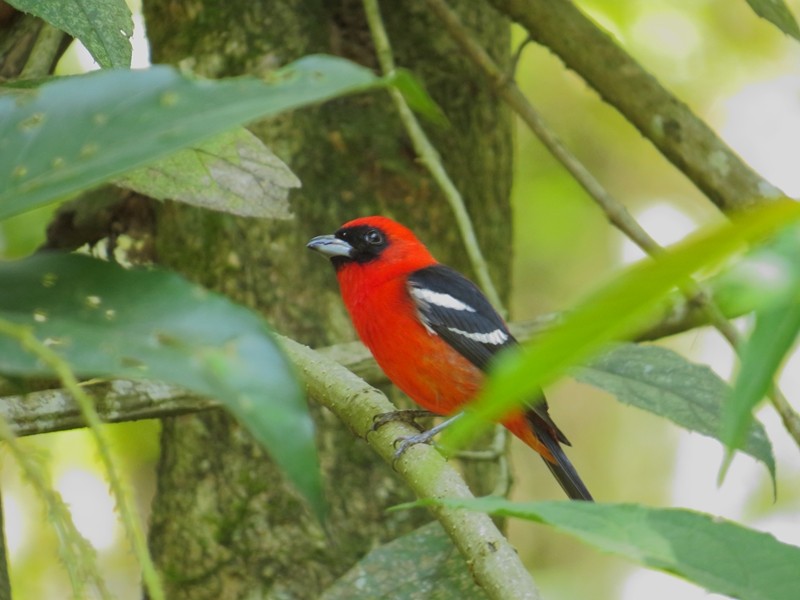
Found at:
(417, 97)
(76, 132)
(148, 324)
(777, 13)
(773, 335)
(422, 565)
(615, 311)
(104, 26)
(719, 555)
(769, 279)
(234, 172)
(664, 383)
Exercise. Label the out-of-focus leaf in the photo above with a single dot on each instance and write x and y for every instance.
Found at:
(104, 26)
(615, 311)
(762, 279)
(768, 278)
(662, 382)
(422, 565)
(777, 13)
(772, 337)
(719, 555)
(148, 324)
(234, 172)
(76, 132)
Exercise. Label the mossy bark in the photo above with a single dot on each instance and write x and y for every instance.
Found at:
(225, 525)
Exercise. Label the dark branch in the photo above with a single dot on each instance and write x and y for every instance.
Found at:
(684, 139)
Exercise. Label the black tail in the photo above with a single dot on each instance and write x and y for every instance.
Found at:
(562, 469)
(567, 477)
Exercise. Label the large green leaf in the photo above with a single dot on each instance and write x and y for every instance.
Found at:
(149, 324)
(616, 311)
(233, 172)
(73, 133)
(777, 13)
(422, 565)
(719, 555)
(661, 381)
(104, 26)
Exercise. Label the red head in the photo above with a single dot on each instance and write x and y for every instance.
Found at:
(377, 248)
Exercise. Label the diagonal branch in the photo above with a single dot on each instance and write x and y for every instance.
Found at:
(494, 563)
(684, 139)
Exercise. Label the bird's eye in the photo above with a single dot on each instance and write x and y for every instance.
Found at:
(374, 237)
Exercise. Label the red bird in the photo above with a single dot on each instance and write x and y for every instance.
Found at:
(431, 330)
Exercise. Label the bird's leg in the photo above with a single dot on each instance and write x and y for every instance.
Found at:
(495, 451)
(404, 443)
(409, 416)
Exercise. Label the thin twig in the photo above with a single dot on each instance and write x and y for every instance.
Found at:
(430, 158)
(122, 493)
(506, 88)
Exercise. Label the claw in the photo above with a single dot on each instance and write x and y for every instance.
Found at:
(402, 444)
(404, 416)
(426, 437)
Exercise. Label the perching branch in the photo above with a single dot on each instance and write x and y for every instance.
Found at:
(685, 140)
(494, 563)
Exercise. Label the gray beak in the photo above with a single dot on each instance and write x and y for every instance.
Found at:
(330, 246)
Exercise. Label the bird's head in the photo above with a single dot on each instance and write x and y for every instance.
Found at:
(373, 242)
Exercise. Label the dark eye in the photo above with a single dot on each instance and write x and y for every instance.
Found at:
(374, 237)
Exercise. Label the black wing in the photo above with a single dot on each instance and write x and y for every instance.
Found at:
(453, 307)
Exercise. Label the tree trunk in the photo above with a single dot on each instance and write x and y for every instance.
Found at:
(225, 525)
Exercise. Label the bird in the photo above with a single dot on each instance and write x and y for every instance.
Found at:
(432, 331)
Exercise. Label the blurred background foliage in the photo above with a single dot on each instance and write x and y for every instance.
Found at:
(737, 72)
(742, 76)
